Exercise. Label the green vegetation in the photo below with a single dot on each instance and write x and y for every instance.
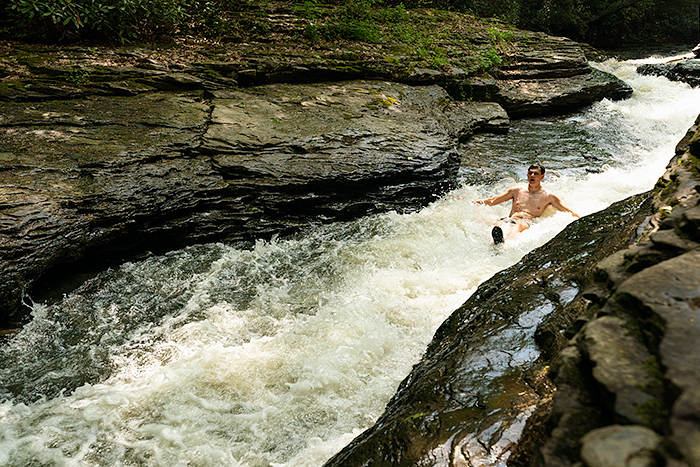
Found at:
(601, 22)
(78, 75)
(114, 19)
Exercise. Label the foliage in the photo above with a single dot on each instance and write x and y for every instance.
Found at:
(600, 22)
(356, 20)
(119, 19)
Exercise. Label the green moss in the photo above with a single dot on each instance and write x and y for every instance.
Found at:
(665, 189)
(33, 60)
(383, 102)
(693, 165)
(411, 418)
(653, 412)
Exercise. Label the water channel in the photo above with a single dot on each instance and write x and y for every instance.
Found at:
(280, 354)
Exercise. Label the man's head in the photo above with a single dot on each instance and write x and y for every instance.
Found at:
(535, 174)
(536, 166)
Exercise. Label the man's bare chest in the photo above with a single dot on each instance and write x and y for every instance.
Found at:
(533, 202)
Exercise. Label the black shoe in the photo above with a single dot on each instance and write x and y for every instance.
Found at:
(497, 234)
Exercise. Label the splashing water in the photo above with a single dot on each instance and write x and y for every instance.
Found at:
(280, 354)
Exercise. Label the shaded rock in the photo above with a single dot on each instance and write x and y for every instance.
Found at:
(619, 363)
(620, 446)
(670, 291)
(644, 370)
(552, 77)
(686, 71)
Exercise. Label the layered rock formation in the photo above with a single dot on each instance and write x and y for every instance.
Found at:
(628, 385)
(107, 154)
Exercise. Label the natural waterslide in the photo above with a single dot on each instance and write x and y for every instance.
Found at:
(280, 354)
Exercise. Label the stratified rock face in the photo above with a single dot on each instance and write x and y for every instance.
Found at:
(110, 153)
(104, 177)
(636, 362)
(538, 74)
(528, 97)
(552, 77)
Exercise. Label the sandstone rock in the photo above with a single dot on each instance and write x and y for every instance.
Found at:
(523, 97)
(638, 353)
(620, 446)
(619, 361)
(671, 291)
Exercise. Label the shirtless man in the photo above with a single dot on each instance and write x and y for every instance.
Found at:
(528, 203)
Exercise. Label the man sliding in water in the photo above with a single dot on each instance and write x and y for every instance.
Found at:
(528, 203)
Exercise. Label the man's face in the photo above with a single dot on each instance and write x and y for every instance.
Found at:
(534, 176)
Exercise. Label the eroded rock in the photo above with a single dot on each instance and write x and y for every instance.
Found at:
(620, 446)
(686, 71)
(101, 178)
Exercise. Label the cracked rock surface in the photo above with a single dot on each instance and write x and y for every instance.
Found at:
(93, 179)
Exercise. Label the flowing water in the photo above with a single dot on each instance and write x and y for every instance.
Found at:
(280, 354)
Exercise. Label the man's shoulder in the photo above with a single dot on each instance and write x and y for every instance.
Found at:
(550, 195)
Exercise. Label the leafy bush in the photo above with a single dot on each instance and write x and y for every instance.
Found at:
(120, 19)
(601, 22)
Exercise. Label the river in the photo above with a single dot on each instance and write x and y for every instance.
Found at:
(280, 354)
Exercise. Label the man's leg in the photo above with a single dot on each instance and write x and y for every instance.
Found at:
(517, 228)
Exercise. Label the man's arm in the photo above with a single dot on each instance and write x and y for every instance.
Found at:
(556, 202)
(509, 194)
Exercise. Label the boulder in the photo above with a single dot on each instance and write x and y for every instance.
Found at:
(686, 71)
(635, 363)
(620, 446)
